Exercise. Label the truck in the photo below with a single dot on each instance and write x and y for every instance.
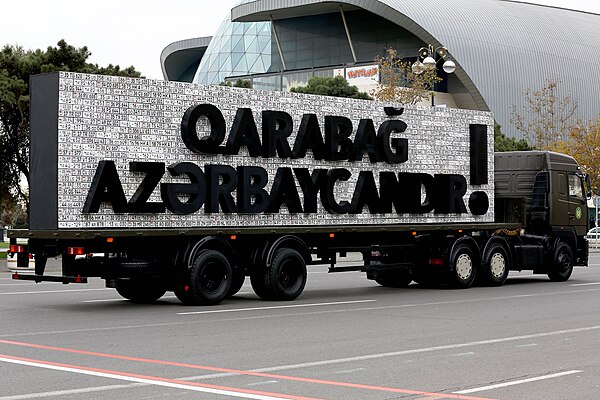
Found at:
(160, 186)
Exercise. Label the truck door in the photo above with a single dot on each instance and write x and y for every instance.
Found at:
(561, 205)
(578, 217)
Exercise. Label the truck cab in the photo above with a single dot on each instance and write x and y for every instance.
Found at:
(547, 194)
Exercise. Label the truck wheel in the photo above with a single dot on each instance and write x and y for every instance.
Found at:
(141, 291)
(284, 280)
(237, 281)
(395, 279)
(463, 267)
(495, 265)
(562, 267)
(207, 282)
(258, 284)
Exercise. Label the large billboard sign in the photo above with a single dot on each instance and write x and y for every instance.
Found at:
(113, 152)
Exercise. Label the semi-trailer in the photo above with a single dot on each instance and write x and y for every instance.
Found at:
(160, 186)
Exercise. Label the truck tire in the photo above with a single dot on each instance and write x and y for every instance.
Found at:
(463, 268)
(562, 266)
(237, 281)
(207, 282)
(394, 278)
(284, 280)
(495, 266)
(141, 291)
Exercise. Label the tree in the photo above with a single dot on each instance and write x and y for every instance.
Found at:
(337, 86)
(240, 83)
(400, 83)
(584, 145)
(16, 66)
(547, 116)
(12, 214)
(504, 143)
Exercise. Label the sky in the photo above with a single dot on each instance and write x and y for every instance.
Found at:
(133, 32)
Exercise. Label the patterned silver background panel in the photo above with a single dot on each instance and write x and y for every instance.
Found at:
(125, 120)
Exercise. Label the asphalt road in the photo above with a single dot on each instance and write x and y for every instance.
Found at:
(344, 338)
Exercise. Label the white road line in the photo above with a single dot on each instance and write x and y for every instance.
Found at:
(468, 353)
(349, 371)
(519, 382)
(71, 392)
(121, 299)
(142, 380)
(586, 284)
(527, 345)
(262, 383)
(274, 307)
(53, 291)
(331, 311)
(405, 352)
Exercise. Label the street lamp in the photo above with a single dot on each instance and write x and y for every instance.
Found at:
(430, 58)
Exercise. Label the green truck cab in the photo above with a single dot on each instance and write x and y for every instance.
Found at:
(547, 194)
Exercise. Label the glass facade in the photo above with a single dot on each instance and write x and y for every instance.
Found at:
(320, 40)
(238, 48)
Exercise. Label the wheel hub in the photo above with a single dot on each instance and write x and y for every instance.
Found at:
(497, 265)
(464, 267)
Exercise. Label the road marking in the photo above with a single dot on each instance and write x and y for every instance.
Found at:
(69, 392)
(332, 311)
(527, 345)
(586, 284)
(275, 307)
(54, 291)
(262, 383)
(152, 380)
(423, 350)
(349, 371)
(121, 299)
(519, 382)
(227, 372)
(468, 353)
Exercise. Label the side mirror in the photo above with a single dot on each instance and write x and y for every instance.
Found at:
(588, 186)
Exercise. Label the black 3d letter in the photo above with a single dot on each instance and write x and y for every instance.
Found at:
(327, 196)
(365, 141)
(243, 131)
(106, 188)
(449, 190)
(284, 192)
(206, 144)
(222, 181)
(310, 184)
(251, 196)
(138, 203)
(399, 145)
(365, 193)
(411, 200)
(337, 138)
(309, 137)
(195, 190)
(276, 128)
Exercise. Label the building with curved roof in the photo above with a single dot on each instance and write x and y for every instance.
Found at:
(500, 47)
